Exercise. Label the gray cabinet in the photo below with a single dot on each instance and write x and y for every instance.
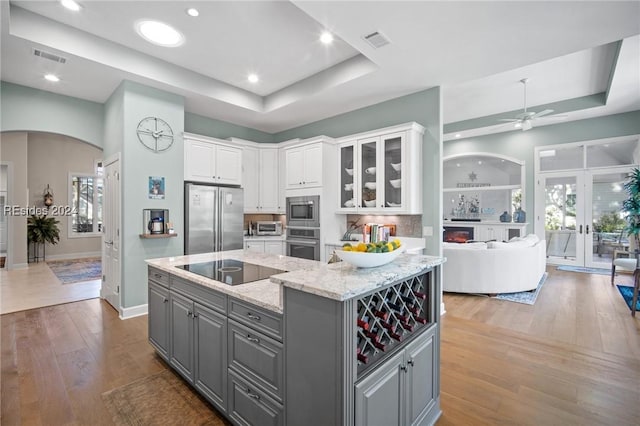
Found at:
(249, 406)
(159, 319)
(403, 390)
(181, 355)
(378, 396)
(210, 373)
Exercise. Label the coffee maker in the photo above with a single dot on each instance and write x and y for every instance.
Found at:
(154, 221)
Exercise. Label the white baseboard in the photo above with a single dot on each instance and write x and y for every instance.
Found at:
(68, 256)
(134, 311)
(18, 266)
(442, 309)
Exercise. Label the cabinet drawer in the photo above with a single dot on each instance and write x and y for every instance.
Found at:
(250, 406)
(204, 295)
(258, 357)
(159, 276)
(263, 320)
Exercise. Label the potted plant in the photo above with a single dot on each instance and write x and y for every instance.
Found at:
(42, 230)
(631, 205)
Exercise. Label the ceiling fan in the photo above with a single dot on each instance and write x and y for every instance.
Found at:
(525, 119)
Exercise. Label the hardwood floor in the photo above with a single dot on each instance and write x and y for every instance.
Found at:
(37, 286)
(572, 358)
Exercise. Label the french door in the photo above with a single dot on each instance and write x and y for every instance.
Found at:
(578, 212)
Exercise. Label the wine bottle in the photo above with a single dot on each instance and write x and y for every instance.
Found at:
(420, 295)
(382, 315)
(364, 323)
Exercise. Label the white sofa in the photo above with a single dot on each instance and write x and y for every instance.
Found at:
(494, 267)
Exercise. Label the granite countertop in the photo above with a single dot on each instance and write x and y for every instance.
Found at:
(337, 281)
(342, 281)
(264, 293)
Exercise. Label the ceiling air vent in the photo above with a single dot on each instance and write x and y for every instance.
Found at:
(49, 56)
(377, 39)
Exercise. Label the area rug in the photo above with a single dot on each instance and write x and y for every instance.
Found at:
(161, 399)
(627, 294)
(584, 270)
(77, 270)
(526, 297)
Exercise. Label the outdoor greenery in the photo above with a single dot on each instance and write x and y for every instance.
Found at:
(631, 205)
(609, 222)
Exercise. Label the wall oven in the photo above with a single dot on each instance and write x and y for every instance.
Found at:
(303, 211)
(303, 242)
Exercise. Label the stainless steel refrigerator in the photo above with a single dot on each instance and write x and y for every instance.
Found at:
(214, 218)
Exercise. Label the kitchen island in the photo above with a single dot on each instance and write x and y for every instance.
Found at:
(361, 345)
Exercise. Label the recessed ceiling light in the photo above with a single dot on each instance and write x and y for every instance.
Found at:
(517, 125)
(192, 11)
(52, 77)
(479, 161)
(326, 37)
(458, 135)
(457, 164)
(159, 33)
(70, 4)
(253, 78)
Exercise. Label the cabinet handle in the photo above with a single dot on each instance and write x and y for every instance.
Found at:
(253, 339)
(410, 362)
(157, 276)
(189, 314)
(251, 394)
(253, 317)
(165, 300)
(403, 368)
(195, 315)
(218, 177)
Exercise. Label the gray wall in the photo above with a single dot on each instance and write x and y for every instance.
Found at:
(27, 109)
(520, 145)
(50, 160)
(13, 150)
(423, 108)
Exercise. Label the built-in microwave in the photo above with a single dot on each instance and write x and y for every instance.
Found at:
(268, 228)
(303, 211)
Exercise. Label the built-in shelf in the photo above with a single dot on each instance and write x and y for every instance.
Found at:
(158, 235)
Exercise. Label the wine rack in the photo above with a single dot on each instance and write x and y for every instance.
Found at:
(390, 316)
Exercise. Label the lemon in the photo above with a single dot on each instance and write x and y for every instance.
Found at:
(345, 245)
(362, 247)
(390, 246)
(397, 241)
(347, 248)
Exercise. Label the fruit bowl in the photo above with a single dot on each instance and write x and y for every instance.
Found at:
(368, 260)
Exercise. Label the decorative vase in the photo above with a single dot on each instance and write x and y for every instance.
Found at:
(520, 216)
(505, 217)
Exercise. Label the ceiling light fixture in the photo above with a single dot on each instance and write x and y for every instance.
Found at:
(517, 125)
(52, 77)
(192, 11)
(159, 33)
(326, 37)
(253, 78)
(70, 4)
(458, 135)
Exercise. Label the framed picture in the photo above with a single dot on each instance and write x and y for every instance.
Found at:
(156, 187)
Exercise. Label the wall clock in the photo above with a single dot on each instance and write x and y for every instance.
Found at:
(155, 134)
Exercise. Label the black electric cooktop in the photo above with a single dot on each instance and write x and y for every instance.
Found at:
(230, 271)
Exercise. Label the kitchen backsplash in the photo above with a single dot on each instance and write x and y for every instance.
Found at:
(406, 225)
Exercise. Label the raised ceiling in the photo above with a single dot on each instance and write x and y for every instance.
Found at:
(477, 51)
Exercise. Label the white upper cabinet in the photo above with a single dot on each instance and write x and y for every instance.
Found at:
(380, 173)
(211, 162)
(304, 166)
(261, 180)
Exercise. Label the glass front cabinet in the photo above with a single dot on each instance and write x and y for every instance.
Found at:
(380, 172)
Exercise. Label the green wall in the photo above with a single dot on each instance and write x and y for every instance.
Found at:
(138, 164)
(520, 145)
(33, 110)
(205, 126)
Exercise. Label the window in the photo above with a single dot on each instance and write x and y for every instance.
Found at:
(85, 201)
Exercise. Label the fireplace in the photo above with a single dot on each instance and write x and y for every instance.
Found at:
(457, 234)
